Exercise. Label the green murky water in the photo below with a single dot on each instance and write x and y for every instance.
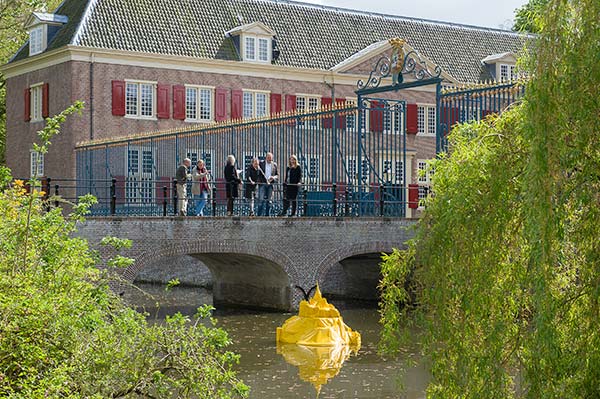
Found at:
(364, 375)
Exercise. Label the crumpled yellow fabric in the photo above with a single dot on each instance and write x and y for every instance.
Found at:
(318, 324)
(317, 340)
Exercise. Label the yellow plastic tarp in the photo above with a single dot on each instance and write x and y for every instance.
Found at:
(318, 324)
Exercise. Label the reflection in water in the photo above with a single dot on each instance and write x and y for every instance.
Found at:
(316, 364)
(365, 375)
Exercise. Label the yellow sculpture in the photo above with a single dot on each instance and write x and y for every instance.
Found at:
(318, 324)
(317, 341)
(397, 59)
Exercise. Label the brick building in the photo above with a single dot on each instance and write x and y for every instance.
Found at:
(148, 65)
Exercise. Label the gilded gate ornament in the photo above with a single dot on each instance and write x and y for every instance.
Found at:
(397, 60)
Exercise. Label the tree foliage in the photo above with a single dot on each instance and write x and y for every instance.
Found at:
(506, 261)
(528, 17)
(64, 333)
(13, 14)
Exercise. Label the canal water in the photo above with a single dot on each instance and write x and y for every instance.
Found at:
(270, 376)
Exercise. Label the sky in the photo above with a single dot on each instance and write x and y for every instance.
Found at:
(493, 14)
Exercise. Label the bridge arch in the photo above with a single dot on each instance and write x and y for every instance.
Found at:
(352, 271)
(250, 275)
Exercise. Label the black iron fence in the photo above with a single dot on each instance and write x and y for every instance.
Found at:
(312, 200)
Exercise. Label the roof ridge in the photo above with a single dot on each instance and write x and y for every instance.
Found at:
(394, 16)
(83, 21)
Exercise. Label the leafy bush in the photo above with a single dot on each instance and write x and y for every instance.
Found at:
(64, 333)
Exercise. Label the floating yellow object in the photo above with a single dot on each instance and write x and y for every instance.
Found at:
(318, 324)
(317, 341)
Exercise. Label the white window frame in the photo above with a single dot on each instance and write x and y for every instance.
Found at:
(198, 90)
(426, 129)
(40, 32)
(140, 184)
(354, 177)
(36, 161)
(307, 98)
(511, 72)
(35, 102)
(256, 54)
(138, 114)
(254, 103)
(397, 110)
(306, 177)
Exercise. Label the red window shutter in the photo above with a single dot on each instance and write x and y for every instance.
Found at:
(118, 97)
(45, 108)
(376, 117)
(413, 196)
(220, 104)
(412, 119)
(27, 105)
(341, 119)
(327, 121)
(120, 189)
(162, 101)
(179, 102)
(236, 104)
(290, 102)
(455, 117)
(275, 103)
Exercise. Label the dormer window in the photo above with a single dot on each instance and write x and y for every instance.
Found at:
(42, 29)
(256, 49)
(254, 42)
(36, 40)
(501, 66)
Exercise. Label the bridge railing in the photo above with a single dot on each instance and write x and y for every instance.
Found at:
(136, 197)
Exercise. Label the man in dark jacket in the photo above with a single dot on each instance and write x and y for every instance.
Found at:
(182, 175)
(267, 175)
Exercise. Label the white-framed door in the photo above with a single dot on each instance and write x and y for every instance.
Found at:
(139, 187)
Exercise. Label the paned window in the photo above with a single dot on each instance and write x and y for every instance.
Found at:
(424, 175)
(255, 104)
(250, 49)
(351, 117)
(36, 37)
(36, 160)
(36, 103)
(147, 161)
(306, 103)
(508, 72)
(256, 49)
(198, 104)
(426, 119)
(392, 119)
(133, 162)
(140, 99)
(392, 171)
(263, 50)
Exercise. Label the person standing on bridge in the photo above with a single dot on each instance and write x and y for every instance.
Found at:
(251, 179)
(231, 183)
(267, 177)
(182, 176)
(293, 179)
(200, 186)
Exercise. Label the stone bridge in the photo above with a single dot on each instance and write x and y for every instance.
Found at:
(258, 262)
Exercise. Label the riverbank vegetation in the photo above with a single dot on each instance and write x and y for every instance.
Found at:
(65, 334)
(504, 273)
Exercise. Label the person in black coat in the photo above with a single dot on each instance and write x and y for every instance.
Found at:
(292, 182)
(231, 183)
(252, 174)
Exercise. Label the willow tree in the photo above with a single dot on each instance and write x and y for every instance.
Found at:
(504, 273)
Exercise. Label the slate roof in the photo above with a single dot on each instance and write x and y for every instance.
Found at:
(309, 36)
